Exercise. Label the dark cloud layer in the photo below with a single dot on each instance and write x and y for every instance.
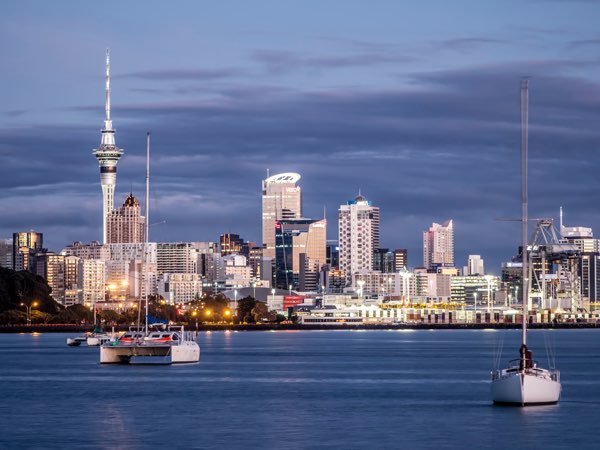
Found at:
(444, 145)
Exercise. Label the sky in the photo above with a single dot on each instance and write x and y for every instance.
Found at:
(414, 103)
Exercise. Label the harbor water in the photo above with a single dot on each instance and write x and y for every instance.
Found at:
(297, 389)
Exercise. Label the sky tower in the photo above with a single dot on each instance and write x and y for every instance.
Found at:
(108, 155)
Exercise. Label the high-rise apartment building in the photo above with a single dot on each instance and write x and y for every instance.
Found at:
(400, 259)
(93, 281)
(384, 260)
(51, 267)
(25, 246)
(281, 200)
(474, 266)
(126, 224)
(233, 244)
(300, 246)
(93, 250)
(358, 236)
(176, 257)
(6, 253)
(438, 245)
(108, 155)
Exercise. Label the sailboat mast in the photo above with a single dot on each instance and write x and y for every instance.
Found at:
(147, 222)
(524, 201)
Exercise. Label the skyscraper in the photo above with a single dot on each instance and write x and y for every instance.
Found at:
(281, 200)
(108, 155)
(126, 224)
(359, 236)
(300, 252)
(25, 245)
(474, 266)
(438, 245)
(400, 259)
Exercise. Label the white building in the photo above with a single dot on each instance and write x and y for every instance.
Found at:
(93, 250)
(438, 245)
(358, 236)
(474, 266)
(126, 275)
(93, 280)
(176, 257)
(281, 200)
(179, 288)
(237, 272)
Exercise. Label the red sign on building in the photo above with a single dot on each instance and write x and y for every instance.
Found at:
(292, 300)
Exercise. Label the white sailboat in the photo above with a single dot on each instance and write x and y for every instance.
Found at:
(523, 382)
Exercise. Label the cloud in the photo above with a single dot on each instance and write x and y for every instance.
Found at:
(186, 74)
(278, 61)
(584, 43)
(444, 146)
(469, 43)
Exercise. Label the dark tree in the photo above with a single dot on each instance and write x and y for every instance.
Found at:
(244, 309)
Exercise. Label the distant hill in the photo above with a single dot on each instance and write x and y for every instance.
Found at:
(27, 287)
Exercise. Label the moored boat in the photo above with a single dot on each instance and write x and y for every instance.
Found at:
(171, 346)
(524, 383)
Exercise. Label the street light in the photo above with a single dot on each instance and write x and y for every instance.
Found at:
(489, 279)
(28, 308)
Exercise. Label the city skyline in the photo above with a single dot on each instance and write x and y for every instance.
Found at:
(425, 138)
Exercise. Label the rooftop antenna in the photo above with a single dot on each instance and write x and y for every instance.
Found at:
(267, 172)
(324, 212)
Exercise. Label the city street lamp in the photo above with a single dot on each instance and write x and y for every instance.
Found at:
(28, 308)
(489, 279)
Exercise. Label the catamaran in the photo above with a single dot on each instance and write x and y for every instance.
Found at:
(524, 382)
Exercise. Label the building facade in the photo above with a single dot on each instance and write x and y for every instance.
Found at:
(438, 245)
(25, 246)
(358, 236)
(300, 246)
(126, 224)
(281, 200)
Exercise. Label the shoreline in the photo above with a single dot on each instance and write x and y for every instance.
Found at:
(54, 328)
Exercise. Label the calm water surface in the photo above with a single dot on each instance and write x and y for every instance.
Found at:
(303, 389)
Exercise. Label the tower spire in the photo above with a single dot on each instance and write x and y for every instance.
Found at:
(108, 155)
(107, 85)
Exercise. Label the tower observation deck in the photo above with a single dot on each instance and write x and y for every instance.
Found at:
(108, 155)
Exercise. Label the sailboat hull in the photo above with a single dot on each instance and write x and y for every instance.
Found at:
(531, 388)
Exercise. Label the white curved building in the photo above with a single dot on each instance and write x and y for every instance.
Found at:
(281, 200)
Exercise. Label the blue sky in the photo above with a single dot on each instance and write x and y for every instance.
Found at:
(415, 103)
